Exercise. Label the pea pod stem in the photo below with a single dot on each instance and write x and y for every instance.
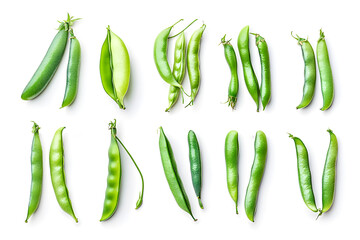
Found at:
(183, 29)
(140, 200)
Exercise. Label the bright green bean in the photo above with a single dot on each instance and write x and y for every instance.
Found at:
(195, 164)
(232, 160)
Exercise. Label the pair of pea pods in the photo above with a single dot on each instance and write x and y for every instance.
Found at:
(264, 91)
(171, 172)
(114, 176)
(175, 76)
(51, 61)
(56, 160)
(257, 170)
(326, 78)
(328, 177)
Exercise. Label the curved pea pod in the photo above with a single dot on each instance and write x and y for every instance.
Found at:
(73, 71)
(251, 81)
(195, 164)
(304, 174)
(329, 174)
(257, 172)
(36, 172)
(172, 175)
(115, 67)
(114, 176)
(56, 160)
(232, 161)
(326, 78)
(193, 62)
(178, 70)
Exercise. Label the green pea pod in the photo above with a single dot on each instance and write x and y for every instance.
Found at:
(230, 57)
(73, 70)
(195, 164)
(257, 171)
(232, 160)
(326, 78)
(50, 62)
(193, 62)
(178, 69)
(304, 174)
(114, 176)
(115, 67)
(249, 75)
(265, 87)
(36, 172)
(309, 71)
(172, 175)
(56, 160)
(329, 174)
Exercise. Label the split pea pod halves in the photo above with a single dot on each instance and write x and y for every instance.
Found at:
(230, 57)
(50, 62)
(56, 159)
(257, 171)
(172, 175)
(195, 164)
(265, 86)
(304, 174)
(73, 70)
(326, 78)
(36, 172)
(115, 67)
(193, 62)
(329, 174)
(178, 69)
(232, 160)
(309, 71)
(249, 75)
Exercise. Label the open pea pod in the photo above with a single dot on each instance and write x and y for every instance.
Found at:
(115, 67)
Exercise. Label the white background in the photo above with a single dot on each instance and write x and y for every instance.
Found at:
(27, 28)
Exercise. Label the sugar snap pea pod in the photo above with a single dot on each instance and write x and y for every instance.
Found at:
(115, 67)
(36, 172)
(178, 69)
(73, 70)
(230, 57)
(257, 171)
(114, 176)
(56, 160)
(193, 62)
(172, 175)
(265, 87)
(231, 160)
(326, 78)
(304, 174)
(50, 62)
(195, 164)
(329, 174)
(249, 75)
(309, 71)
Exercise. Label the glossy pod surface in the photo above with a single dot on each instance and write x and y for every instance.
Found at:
(178, 69)
(56, 160)
(114, 176)
(172, 175)
(257, 171)
(329, 174)
(232, 160)
(304, 174)
(195, 164)
(326, 78)
(36, 172)
(309, 71)
(115, 67)
(230, 57)
(193, 62)
(251, 82)
(73, 70)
